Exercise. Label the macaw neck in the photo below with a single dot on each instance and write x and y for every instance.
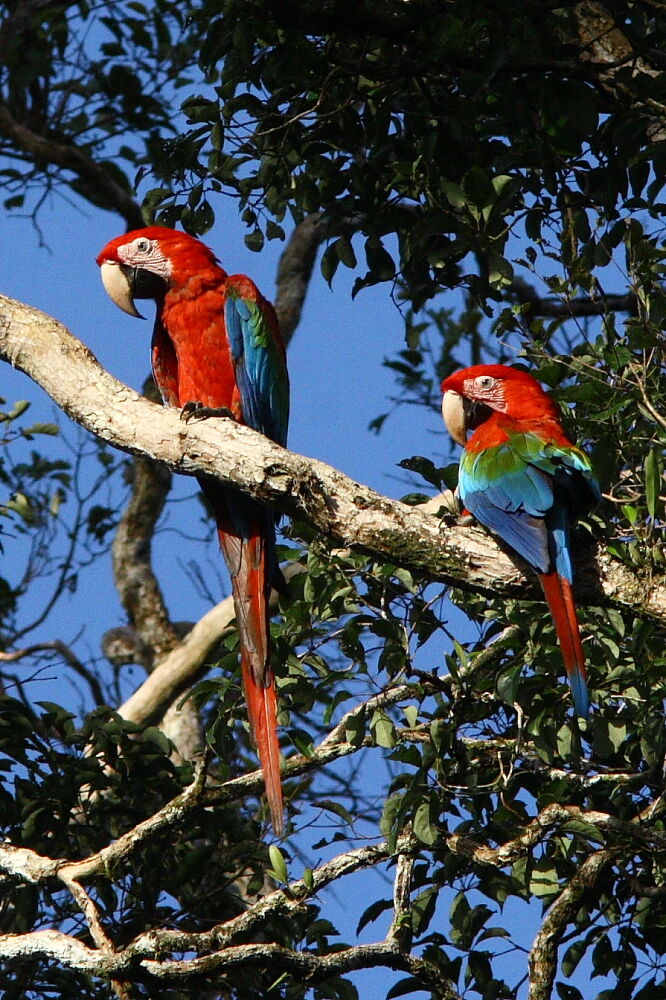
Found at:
(525, 405)
(187, 284)
(499, 428)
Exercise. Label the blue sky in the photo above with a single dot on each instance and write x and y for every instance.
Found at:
(338, 387)
(337, 382)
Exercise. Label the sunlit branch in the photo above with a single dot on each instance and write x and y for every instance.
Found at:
(348, 512)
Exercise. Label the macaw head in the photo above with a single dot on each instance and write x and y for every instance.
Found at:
(471, 395)
(146, 263)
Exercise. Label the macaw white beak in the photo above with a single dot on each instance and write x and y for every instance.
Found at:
(454, 416)
(119, 287)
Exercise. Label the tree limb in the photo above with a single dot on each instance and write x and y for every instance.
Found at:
(294, 271)
(543, 955)
(342, 509)
(135, 581)
(215, 949)
(103, 187)
(181, 668)
(305, 965)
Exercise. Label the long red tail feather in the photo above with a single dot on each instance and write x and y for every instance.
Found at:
(262, 713)
(246, 558)
(559, 596)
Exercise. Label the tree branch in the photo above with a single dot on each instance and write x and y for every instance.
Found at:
(215, 949)
(57, 646)
(135, 581)
(104, 190)
(604, 45)
(295, 270)
(340, 508)
(306, 966)
(553, 306)
(187, 662)
(181, 668)
(543, 955)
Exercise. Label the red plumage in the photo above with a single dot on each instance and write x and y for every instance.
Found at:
(193, 361)
(522, 477)
(559, 597)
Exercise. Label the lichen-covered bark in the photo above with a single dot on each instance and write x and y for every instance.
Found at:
(348, 512)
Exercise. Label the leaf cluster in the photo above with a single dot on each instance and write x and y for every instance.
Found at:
(435, 133)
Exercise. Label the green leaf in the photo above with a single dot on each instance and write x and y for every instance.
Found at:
(454, 194)
(345, 251)
(255, 240)
(278, 864)
(423, 910)
(372, 912)
(478, 187)
(329, 263)
(566, 991)
(355, 728)
(330, 805)
(572, 957)
(609, 736)
(411, 714)
(653, 474)
(544, 881)
(51, 429)
(308, 879)
(18, 409)
(405, 987)
(22, 506)
(383, 729)
(423, 826)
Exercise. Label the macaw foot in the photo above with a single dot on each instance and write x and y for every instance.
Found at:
(466, 519)
(198, 411)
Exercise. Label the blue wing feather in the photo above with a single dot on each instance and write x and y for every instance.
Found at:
(525, 533)
(259, 364)
(525, 491)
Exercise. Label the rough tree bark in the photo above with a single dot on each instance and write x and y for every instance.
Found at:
(346, 511)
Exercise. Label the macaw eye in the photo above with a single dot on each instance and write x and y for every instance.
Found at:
(142, 245)
(485, 382)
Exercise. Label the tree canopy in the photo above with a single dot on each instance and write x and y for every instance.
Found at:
(499, 167)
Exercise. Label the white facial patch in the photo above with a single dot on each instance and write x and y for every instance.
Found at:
(147, 254)
(488, 390)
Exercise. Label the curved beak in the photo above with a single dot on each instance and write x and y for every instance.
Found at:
(453, 412)
(119, 286)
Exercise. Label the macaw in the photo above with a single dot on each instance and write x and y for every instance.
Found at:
(217, 350)
(523, 479)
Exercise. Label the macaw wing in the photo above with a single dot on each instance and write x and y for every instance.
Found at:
(575, 491)
(258, 358)
(509, 494)
(572, 471)
(525, 491)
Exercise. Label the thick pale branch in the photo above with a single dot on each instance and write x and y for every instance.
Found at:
(181, 668)
(339, 507)
(307, 966)
(188, 661)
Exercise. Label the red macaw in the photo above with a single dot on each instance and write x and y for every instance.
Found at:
(217, 347)
(521, 477)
